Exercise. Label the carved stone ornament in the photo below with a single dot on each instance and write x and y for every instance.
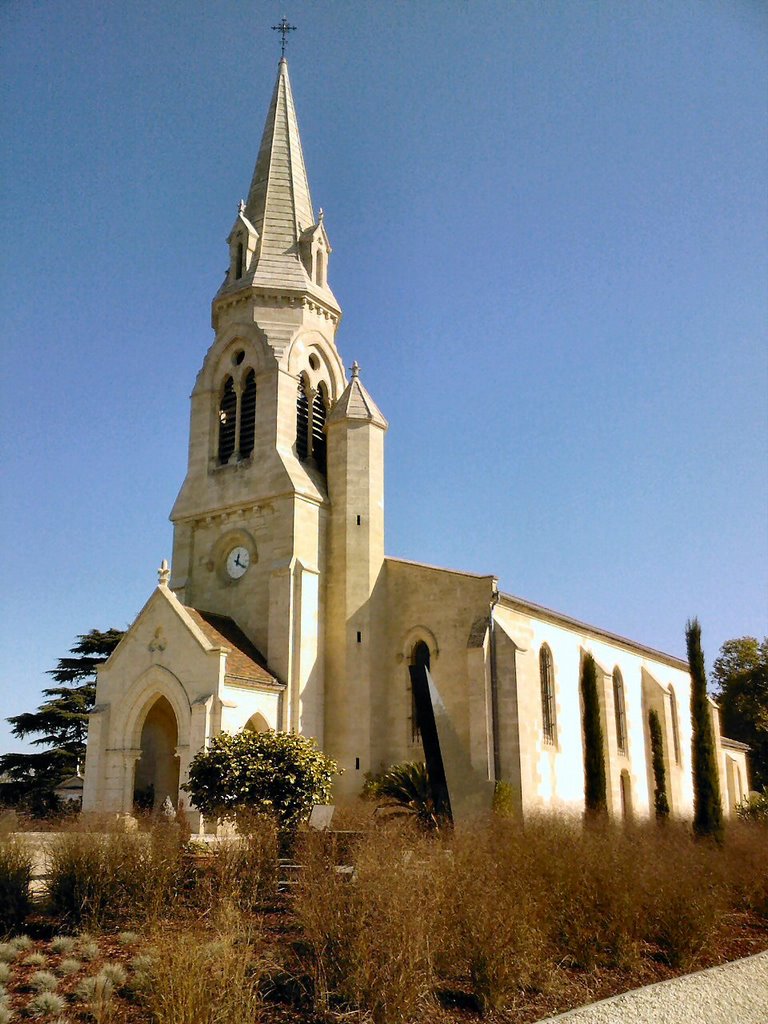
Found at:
(158, 641)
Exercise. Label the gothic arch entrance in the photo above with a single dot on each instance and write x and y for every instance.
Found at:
(256, 723)
(157, 770)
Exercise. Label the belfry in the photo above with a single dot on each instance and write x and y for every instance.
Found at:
(281, 611)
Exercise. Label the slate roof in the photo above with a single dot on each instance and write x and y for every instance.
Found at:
(245, 663)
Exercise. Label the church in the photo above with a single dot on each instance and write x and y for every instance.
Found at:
(280, 609)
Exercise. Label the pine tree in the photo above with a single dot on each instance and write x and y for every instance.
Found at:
(61, 722)
(660, 802)
(707, 809)
(595, 799)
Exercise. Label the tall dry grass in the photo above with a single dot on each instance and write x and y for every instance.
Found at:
(370, 939)
(196, 979)
(113, 880)
(15, 876)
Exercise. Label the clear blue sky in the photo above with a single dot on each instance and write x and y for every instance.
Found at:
(549, 225)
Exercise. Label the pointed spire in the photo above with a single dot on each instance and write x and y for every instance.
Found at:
(355, 403)
(279, 204)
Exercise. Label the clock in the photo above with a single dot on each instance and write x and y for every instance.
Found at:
(238, 560)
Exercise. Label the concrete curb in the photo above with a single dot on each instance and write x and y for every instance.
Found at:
(735, 993)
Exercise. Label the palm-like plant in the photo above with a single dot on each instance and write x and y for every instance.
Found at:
(404, 790)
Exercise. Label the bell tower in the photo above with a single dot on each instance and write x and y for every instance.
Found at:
(251, 519)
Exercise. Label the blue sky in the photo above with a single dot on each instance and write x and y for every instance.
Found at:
(550, 233)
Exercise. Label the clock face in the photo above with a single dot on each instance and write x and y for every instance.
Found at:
(238, 560)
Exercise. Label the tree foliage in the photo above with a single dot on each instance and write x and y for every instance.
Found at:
(660, 802)
(404, 790)
(740, 678)
(707, 807)
(60, 724)
(595, 798)
(276, 773)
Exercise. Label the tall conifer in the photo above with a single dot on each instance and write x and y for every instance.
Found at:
(660, 802)
(595, 799)
(707, 809)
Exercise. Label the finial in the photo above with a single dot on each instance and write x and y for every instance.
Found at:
(355, 368)
(320, 216)
(241, 207)
(283, 28)
(163, 573)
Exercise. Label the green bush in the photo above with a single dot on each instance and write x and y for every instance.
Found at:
(274, 773)
(754, 808)
(15, 875)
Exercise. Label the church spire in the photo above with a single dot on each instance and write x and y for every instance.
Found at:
(275, 241)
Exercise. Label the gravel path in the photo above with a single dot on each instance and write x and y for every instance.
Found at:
(735, 993)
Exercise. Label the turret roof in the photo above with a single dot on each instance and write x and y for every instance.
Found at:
(356, 404)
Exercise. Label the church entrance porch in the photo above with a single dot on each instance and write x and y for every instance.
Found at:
(157, 769)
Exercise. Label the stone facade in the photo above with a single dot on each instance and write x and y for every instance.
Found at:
(282, 611)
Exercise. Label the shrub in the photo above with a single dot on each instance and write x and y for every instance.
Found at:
(594, 759)
(62, 944)
(189, 983)
(45, 1004)
(404, 790)
(5, 972)
(35, 960)
(274, 773)
(660, 802)
(105, 880)
(491, 934)
(8, 952)
(244, 868)
(44, 981)
(708, 811)
(15, 875)
(69, 966)
(370, 941)
(754, 808)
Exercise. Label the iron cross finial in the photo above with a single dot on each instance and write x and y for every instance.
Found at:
(283, 28)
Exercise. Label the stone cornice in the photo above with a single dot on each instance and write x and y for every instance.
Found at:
(267, 299)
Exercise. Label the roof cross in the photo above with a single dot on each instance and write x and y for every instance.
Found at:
(283, 28)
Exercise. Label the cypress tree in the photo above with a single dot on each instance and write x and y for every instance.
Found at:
(707, 809)
(660, 802)
(595, 800)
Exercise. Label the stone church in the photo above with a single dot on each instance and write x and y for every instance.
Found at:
(281, 610)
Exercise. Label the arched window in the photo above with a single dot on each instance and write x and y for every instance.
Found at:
(248, 415)
(547, 678)
(675, 725)
(302, 422)
(227, 421)
(619, 711)
(239, 261)
(318, 429)
(419, 656)
(320, 267)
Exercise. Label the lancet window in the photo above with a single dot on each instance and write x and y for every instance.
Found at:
(419, 656)
(547, 678)
(227, 421)
(237, 417)
(248, 415)
(310, 425)
(675, 725)
(620, 711)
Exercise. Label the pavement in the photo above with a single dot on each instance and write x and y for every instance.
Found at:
(735, 993)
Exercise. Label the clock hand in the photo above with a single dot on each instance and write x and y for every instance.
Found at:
(237, 560)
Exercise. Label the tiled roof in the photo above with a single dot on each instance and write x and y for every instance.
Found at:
(245, 663)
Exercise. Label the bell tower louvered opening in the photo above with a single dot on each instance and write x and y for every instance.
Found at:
(248, 415)
(227, 421)
(318, 431)
(302, 422)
